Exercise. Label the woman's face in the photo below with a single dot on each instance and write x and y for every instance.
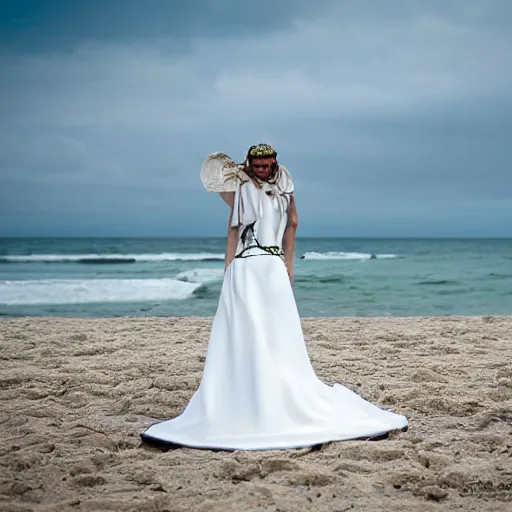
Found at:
(262, 167)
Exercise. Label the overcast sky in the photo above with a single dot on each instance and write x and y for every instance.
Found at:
(393, 116)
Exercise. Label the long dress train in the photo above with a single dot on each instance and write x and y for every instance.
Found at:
(258, 389)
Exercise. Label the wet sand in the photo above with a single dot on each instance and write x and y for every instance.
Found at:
(76, 393)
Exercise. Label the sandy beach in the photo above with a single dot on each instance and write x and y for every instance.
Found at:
(76, 393)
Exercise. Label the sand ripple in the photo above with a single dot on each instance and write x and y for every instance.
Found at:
(76, 393)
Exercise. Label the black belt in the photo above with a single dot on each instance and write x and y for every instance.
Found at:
(273, 250)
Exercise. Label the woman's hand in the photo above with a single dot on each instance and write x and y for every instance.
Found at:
(290, 275)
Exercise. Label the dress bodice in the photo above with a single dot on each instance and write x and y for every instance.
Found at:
(268, 212)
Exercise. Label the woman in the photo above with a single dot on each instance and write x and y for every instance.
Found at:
(259, 390)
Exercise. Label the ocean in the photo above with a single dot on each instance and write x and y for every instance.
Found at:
(108, 277)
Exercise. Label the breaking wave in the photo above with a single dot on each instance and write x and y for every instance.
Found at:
(345, 256)
(102, 259)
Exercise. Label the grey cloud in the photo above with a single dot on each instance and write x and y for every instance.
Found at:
(386, 113)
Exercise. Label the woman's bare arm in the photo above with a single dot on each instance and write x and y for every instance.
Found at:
(232, 238)
(228, 197)
(290, 236)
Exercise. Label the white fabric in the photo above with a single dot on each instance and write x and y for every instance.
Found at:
(259, 390)
(268, 213)
(247, 199)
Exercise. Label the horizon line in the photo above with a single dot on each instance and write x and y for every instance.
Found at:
(222, 237)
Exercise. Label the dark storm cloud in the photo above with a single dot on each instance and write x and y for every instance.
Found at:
(57, 24)
(394, 117)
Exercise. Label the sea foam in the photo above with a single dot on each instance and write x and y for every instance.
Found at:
(332, 255)
(75, 291)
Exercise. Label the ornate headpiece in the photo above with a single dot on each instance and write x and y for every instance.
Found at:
(261, 151)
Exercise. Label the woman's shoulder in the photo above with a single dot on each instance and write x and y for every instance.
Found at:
(228, 198)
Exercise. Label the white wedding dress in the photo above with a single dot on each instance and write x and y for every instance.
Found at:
(259, 390)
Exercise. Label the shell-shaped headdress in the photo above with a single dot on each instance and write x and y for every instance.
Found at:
(219, 173)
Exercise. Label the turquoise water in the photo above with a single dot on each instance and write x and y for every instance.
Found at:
(175, 277)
